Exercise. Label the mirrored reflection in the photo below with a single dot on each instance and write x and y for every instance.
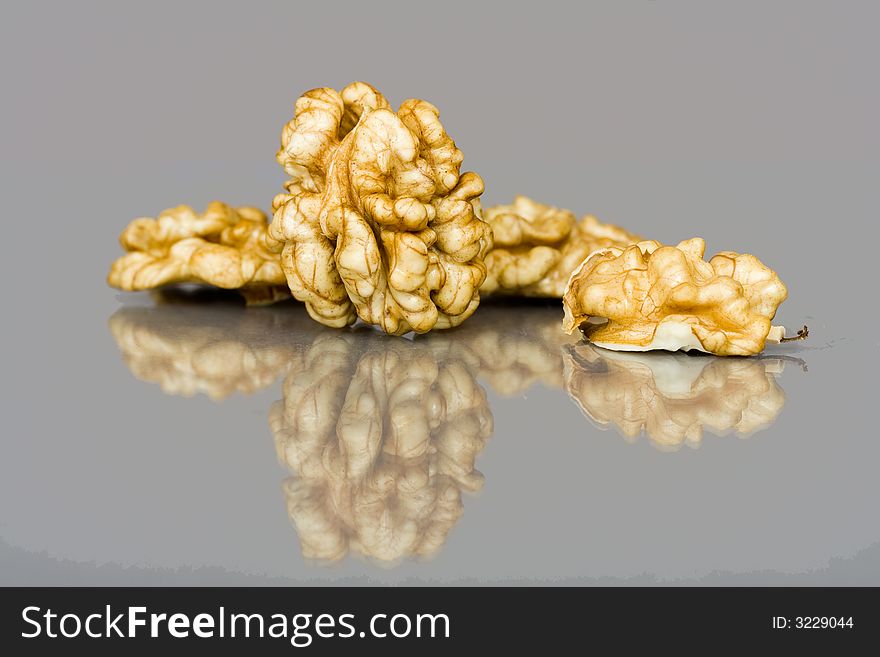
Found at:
(672, 398)
(381, 434)
(216, 350)
(513, 346)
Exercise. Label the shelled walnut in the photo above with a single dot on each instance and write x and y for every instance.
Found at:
(377, 222)
(667, 297)
(225, 247)
(537, 247)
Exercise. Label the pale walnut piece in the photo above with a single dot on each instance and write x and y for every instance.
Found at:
(377, 222)
(673, 398)
(668, 297)
(538, 246)
(225, 247)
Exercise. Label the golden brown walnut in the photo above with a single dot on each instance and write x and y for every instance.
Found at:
(538, 246)
(668, 297)
(225, 247)
(672, 398)
(382, 437)
(377, 222)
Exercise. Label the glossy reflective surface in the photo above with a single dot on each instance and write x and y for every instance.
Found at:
(227, 444)
(381, 435)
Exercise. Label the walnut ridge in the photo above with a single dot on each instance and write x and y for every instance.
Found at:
(377, 222)
(537, 247)
(225, 247)
(668, 297)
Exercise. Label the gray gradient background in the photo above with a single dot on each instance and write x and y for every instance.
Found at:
(752, 124)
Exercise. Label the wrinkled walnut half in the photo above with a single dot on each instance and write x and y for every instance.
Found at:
(225, 247)
(537, 247)
(672, 398)
(668, 297)
(378, 223)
